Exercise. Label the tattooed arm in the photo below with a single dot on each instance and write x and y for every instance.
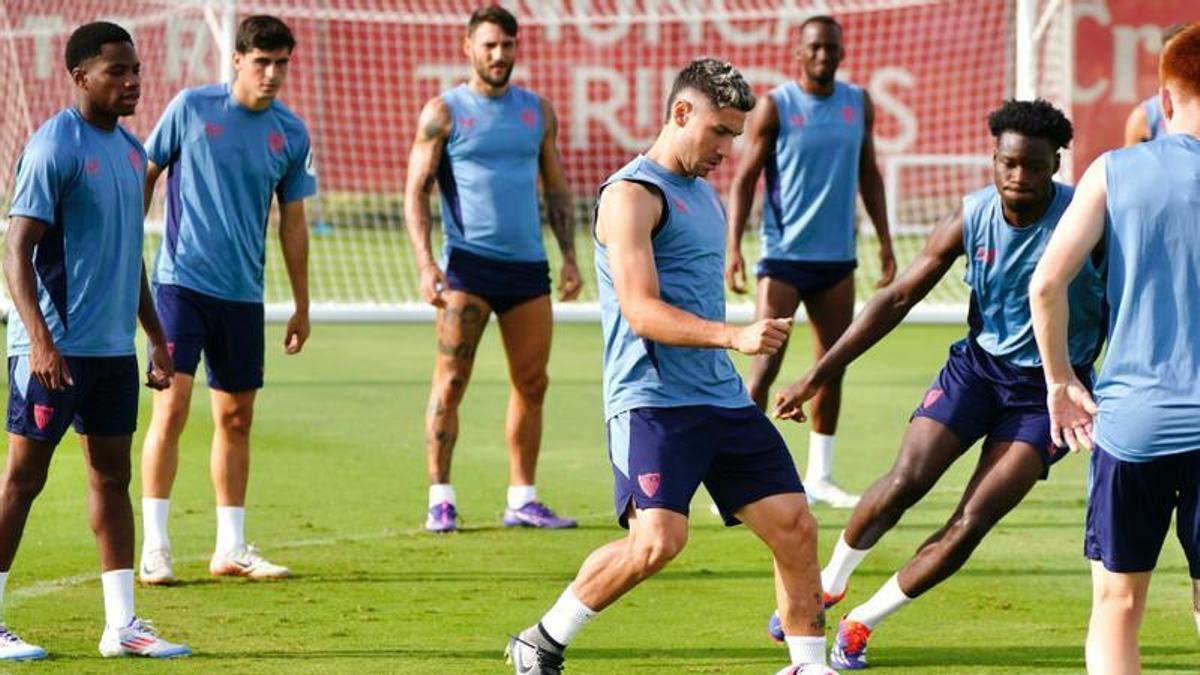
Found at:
(433, 128)
(559, 205)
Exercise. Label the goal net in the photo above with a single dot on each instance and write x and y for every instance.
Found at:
(363, 69)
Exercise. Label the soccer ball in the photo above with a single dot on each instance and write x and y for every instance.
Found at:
(810, 669)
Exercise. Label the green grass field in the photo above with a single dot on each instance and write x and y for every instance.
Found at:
(338, 493)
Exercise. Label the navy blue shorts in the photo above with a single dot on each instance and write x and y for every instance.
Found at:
(503, 285)
(805, 276)
(1130, 506)
(230, 334)
(660, 456)
(977, 395)
(102, 402)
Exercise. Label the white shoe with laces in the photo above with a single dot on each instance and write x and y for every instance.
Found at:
(825, 491)
(139, 639)
(13, 648)
(156, 568)
(246, 562)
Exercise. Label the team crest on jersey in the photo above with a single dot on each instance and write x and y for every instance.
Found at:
(679, 205)
(276, 141)
(212, 129)
(931, 397)
(649, 483)
(797, 120)
(848, 114)
(92, 167)
(529, 117)
(467, 123)
(135, 159)
(985, 255)
(42, 414)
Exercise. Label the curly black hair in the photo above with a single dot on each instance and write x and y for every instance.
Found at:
(1036, 119)
(89, 39)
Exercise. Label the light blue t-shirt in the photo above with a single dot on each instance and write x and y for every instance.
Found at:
(689, 255)
(225, 163)
(488, 176)
(812, 176)
(1000, 263)
(86, 184)
(1149, 386)
(1156, 121)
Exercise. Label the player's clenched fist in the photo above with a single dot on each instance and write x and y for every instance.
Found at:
(433, 282)
(761, 337)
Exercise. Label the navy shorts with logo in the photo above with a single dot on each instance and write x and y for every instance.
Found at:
(977, 395)
(1130, 506)
(805, 276)
(660, 456)
(103, 400)
(503, 285)
(229, 333)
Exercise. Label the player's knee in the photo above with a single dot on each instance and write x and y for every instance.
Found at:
(449, 388)
(171, 416)
(1116, 599)
(113, 478)
(236, 420)
(796, 540)
(23, 485)
(903, 490)
(652, 553)
(532, 388)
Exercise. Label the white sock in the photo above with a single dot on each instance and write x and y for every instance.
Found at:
(231, 528)
(520, 495)
(842, 563)
(3, 583)
(566, 618)
(154, 523)
(441, 492)
(118, 597)
(806, 649)
(886, 600)
(820, 457)
(1197, 614)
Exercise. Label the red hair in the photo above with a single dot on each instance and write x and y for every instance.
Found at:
(1179, 65)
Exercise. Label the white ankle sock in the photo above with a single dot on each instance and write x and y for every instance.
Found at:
(3, 584)
(520, 495)
(806, 649)
(842, 563)
(1197, 614)
(118, 597)
(154, 523)
(820, 457)
(886, 600)
(231, 528)
(441, 492)
(566, 618)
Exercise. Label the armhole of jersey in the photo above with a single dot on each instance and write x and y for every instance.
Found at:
(662, 220)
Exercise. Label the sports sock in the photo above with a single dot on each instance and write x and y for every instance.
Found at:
(231, 528)
(441, 492)
(842, 563)
(820, 457)
(806, 649)
(154, 523)
(886, 600)
(1197, 613)
(118, 597)
(520, 495)
(566, 618)
(3, 584)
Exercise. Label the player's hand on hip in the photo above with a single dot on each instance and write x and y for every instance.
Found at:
(162, 367)
(762, 337)
(887, 266)
(570, 283)
(49, 367)
(433, 283)
(298, 329)
(1072, 414)
(735, 271)
(789, 403)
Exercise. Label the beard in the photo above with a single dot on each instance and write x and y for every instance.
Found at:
(485, 74)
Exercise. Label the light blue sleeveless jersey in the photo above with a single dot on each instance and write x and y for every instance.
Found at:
(1149, 386)
(689, 254)
(488, 175)
(812, 176)
(1156, 122)
(1000, 263)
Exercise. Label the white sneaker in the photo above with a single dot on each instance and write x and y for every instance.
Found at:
(156, 568)
(139, 639)
(246, 562)
(825, 491)
(13, 648)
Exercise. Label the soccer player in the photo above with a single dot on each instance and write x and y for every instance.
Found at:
(73, 263)
(1145, 431)
(1146, 121)
(991, 387)
(228, 149)
(484, 144)
(678, 414)
(814, 137)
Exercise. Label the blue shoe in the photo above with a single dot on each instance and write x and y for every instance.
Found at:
(443, 517)
(849, 651)
(13, 648)
(537, 514)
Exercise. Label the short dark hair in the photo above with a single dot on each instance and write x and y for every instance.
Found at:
(89, 39)
(264, 32)
(493, 14)
(718, 81)
(1036, 119)
(824, 19)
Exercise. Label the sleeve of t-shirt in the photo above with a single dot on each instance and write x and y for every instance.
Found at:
(164, 143)
(42, 177)
(300, 181)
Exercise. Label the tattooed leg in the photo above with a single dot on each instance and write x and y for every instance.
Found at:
(459, 327)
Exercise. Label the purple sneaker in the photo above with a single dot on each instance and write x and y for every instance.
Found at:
(849, 650)
(443, 517)
(537, 514)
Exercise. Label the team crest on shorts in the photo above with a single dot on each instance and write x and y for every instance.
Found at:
(649, 483)
(931, 397)
(42, 414)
